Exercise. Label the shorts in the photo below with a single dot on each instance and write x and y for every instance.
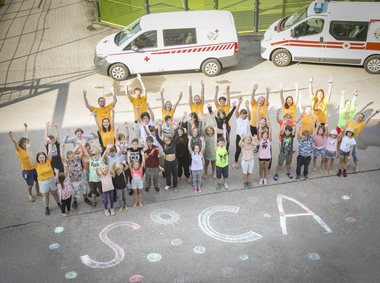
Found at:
(283, 157)
(343, 153)
(137, 184)
(279, 146)
(222, 171)
(247, 166)
(80, 188)
(47, 185)
(318, 152)
(264, 159)
(87, 174)
(30, 177)
(330, 154)
(94, 186)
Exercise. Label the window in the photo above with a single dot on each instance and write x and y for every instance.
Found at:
(127, 33)
(294, 18)
(179, 36)
(350, 31)
(144, 41)
(309, 27)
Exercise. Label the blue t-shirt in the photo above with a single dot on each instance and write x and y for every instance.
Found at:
(305, 146)
(165, 129)
(112, 159)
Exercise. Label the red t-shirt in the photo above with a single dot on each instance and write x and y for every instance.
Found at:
(86, 164)
(152, 160)
(282, 122)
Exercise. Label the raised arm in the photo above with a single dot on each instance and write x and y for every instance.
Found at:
(315, 129)
(112, 110)
(353, 102)
(158, 138)
(224, 132)
(268, 89)
(255, 87)
(190, 94)
(216, 97)
(89, 107)
(189, 144)
(97, 121)
(179, 99)
(143, 86)
(202, 92)
(258, 116)
(278, 115)
(282, 94)
(80, 146)
(143, 160)
(215, 137)
(297, 93)
(55, 123)
(228, 96)
(114, 98)
(237, 107)
(248, 111)
(311, 87)
(127, 90)
(25, 130)
(94, 145)
(150, 112)
(300, 105)
(266, 113)
(231, 112)
(126, 131)
(162, 99)
(32, 160)
(47, 130)
(269, 124)
(330, 89)
(105, 154)
(48, 141)
(342, 100)
(15, 143)
(370, 117)
(138, 113)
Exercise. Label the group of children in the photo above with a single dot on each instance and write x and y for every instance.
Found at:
(174, 147)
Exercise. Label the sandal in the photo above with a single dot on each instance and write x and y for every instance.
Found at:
(357, 169)
(275, 177)
(31, 199)
(147, 189)
(289, 175)
(93, 204)
(157, 189)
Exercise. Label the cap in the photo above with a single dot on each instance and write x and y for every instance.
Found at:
(333, 132)
(94, 153)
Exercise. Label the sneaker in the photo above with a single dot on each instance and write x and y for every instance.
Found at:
(86, 200)
(289, 175)
(249, 184)
(261, 182)
(59, 205)
(106, 212)
(275, 177)
(344, 173)
(167, 188)
(131, 193)
(74, 205)
(226, 186)
(112, 211)
(195, 190)
(47, 211)
(307, 178)
(199, 190)
(297, 178)
(245, 184)
(265, 182)
(218, 187)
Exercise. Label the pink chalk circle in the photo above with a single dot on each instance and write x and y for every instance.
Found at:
(136, 278)
(351, 219)
(266, 215)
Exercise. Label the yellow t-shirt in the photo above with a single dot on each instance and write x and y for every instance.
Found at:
(197, 109)
(142, 102)
(226, 109)
(103, 113)
(321, 113)
(165, 113)
(44, 171)
(24, 159)
(357, 128)
(308, 123)
(107, 137)
(263, 112)
(291, 110)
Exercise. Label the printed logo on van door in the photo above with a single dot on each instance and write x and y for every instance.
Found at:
(376, 34)
(213, 35)
(346, 45)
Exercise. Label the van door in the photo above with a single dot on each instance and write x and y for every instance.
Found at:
(306, 44)
(345, 42)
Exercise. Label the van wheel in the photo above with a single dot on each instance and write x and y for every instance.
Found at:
(281, 58)
(211, 67)
(119, 72)
(372, 64)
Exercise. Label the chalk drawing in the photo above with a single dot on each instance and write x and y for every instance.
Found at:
(58, 230)
(182, 280)
(136, 278)
(223, 229)
(157, 216)
(118, 250)
(54, 246)
(243, 257)
(176, 242)
(314, 256)
(154, 257)
(252, 199)
(265, 214)
(351, 219)
(268, 265)
(283, 216)
(230, 272)
(199, 250)
(205, 224)
(71, 275)
(346, 197)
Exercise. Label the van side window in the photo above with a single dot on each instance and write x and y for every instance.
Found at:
(309, 27)
(144, 41)
(350, 31)
(179, 36)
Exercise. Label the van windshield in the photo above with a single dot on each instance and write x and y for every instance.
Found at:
(294, 18)
(127, 33)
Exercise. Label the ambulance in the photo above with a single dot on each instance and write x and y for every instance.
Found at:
(188, 40)
(346, 33)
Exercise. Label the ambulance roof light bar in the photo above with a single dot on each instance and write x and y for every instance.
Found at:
(319, 6)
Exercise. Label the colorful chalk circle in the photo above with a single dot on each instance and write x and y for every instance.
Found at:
(158, 216)
(314, 256)
(54, 246)
(58, 230)
(153, 257)
(136, 278)
(243, 257)
(176, 242)
(199, 250)
(346, 197)
(230, 272)
(351, 219)
(71, 275)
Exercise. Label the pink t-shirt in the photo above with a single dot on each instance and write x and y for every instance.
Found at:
(331, 144)
(319, 142)
(264, 150)
(247, 150)
(106, 182)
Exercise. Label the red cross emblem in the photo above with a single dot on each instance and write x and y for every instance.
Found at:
(346, 45)
(147, 59)
(216, 30)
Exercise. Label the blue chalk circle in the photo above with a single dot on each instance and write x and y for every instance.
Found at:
(314, 256)
(199, 250)
(54, 246)
(176, 242)
(58, 230)
(243, 257)
(154, 257)
(71, 275)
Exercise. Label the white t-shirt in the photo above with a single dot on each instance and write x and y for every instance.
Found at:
(243, 126)
(347, 143)
(143, 134)
(156, 143)
(124, 155)
(196, 161)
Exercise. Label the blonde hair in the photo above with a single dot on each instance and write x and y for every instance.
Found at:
(135, 161)
(247, 136)
(209, 127)
(119, 166)
(101, 167)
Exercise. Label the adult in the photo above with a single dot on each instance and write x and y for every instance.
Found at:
(196, 105)
(79, 136)
(319, 101)
(259, 104)
(45, 174)
(137, 99)
(346, 109)
(309, 120)
(56, 161)
(106, 128)
(167, 108)
(289, 106)
(29, 172)
(103, 109)
(225, 104)
(358, 125)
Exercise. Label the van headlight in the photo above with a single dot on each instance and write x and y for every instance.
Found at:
(268, 36)
(101, 57)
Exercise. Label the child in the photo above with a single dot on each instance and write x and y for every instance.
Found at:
(105, 176)
(56, 161)
(137, 177)
(319, 144)
(346, 148)
(246, 144)
(265, 140)
(123, 140)
(330, 150)
(225, 104)
(287, 135)
(305, 143)
(263, 123)
(112, 157)
(145, 120)
(183, 155)
(196, 134)
(243, 121)
(221, 157)
(209, 153)
(107, 129)
(65, 190)
(166, 108)
(165, 129)
(287, 120)
(196, 163)
(120, 184)
(152, 165)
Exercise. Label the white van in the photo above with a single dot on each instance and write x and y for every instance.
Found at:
(189, 40)
(327, 32)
